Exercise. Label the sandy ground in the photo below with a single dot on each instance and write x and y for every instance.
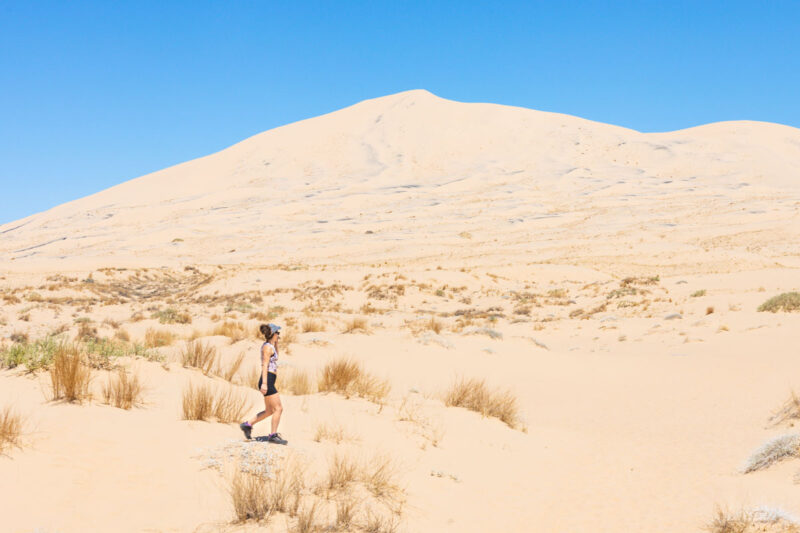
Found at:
(515, 230)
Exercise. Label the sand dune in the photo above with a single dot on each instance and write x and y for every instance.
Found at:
(608, 280)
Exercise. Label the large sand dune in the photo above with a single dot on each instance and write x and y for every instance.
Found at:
(407, 176)
(609, 279)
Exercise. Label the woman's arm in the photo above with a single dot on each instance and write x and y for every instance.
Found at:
(266, 353)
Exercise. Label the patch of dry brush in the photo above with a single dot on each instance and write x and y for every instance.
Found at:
(123, 390)
(475, 395)
(10, 429)
(224, 404)
(70, 374)
(348, 377)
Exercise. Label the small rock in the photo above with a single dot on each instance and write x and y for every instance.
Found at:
(673, 316)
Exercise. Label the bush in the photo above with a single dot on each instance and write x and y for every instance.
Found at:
(356, 324)
(204, 402)
(296, 382)
(474, 395)
(759, 520)
(156, 338)
(34, 355)
(70, 374)
(347, 377)
(313, 325)
(10, 429)
(236, 331)
(788, 301)
(123, 390)
(172, 316)
(199, 355)
(773, 451)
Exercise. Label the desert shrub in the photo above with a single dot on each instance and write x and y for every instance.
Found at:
(257, 497)
(86, 331)
(19, 337)
(236, 331)
(155, 338)
(295, 381)
(324, 431)
(347, 377)
(377, 474)
(306, 519)
(199, 355)
(788, 301)
(70, 374)
(343, 469)
(345, 514)
(101, 352)
(434, 325)
(759, 520)
(172, 316)
(249, 495)
(122, 335)
(204, 402)
(123, 390)
(772, 451)
(356, 324)
(229, 372)
(790, 410)
(34, 355)
(10, 429)
(312, 325)
(698, 294)
(475, 395)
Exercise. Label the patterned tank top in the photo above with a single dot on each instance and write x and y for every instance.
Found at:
(273, 359)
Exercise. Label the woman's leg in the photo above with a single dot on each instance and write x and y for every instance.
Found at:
(274, 403)
(263, 414)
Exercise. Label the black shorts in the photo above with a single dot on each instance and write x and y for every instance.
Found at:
(271, 378)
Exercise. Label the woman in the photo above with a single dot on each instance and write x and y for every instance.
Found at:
(266, 384)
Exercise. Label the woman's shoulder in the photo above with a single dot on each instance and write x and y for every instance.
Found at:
(268, 348)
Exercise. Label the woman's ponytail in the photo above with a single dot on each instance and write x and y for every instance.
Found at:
(265, 330)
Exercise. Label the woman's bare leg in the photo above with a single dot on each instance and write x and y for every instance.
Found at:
(274, 403)
(263, 414)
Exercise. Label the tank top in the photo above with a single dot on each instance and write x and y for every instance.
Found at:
(273, 359)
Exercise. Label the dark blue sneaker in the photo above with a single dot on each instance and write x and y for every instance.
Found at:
(247, 428)
(275, 438)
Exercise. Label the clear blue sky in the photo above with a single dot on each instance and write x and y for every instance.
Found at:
(95, 93)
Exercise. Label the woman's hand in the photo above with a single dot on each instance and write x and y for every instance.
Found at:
(263, 388)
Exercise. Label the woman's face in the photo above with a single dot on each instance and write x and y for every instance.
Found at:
(276, 338)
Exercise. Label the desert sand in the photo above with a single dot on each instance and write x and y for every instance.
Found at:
(608, 279)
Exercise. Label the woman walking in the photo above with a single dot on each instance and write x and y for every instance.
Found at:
(266, 384)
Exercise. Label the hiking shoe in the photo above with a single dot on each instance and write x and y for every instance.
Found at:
(247, 428)
(275, 438)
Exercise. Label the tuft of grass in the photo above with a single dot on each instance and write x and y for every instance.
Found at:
(172, 316)
(230, 371)
(155, 338)
(343, 469)
(205, 402)
(434, 325)
(325, 432)
(475, 395)
(70, 374)
(790, 410)
(772, 451)
(347, 377)
(306, 519)
(199, 355)
(759, 520)
(257, 497)
(34, 355)
(312, 325)
(235, 331)
(10, 429)
(123, 390)
(86, 332)
(297, 382)
(345, 514)
(122, 335)
(698, 294)
(356, 324)
(788, 301)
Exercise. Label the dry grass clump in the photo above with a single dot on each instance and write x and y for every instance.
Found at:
(788, 301)
(199, 355)
(759, 520)
(343, 469)
(155, 338)
(256, 497)
(347, 377)
(475, 395)
(123, 390)
(235, 331)
(297, 382)
(122, 335)
(86, 332)
(790, 410)
(434, 325)
(332, 433)
(312, 325)
(10, 429)
(229, 372)
(356, 324)
(772, 451)
(306, 519)
(204, 402)
(172, 316)
(70, 374)
(378, 475)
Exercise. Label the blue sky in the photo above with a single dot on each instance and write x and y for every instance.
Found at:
(95, 93)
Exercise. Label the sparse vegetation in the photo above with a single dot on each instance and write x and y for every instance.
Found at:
(475, 395)
(199, 355)
(297, 382)
(172, 316)
(356, 324)
(347, 377)
(698, 294)
(313, 325)
(123, 390)
(205, 402)
(759, 520)
(788, 301)
(10, 429)
(332, 433)
(790, 410)
(155, 338)
(235, 331)
(70, 374)
(33, 355)
(772, 451)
